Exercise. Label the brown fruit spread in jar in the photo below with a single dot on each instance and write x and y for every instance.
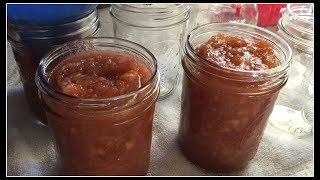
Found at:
(28, 62)
(223, 118)
(110, 138)
(31, 41)
(99, 75)
(238, 53)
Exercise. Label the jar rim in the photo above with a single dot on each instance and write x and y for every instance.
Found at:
(165, 17)
(43, 85)
(43, 27)
(268, 73)
(152, 10)
(303, 44)
(296, 26)
(290, 10)
(87, 24)
(303, 13)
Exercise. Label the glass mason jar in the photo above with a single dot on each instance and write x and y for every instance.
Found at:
(30, 42)
(160, 28)
(100, 136)
(293, 113)
(224, 111)
(204, 13)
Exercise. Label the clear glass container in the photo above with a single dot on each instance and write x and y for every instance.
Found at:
(161, 29)
(224, 111)
(293, 113)
(100, 136)
(30, 42)
(204, 13)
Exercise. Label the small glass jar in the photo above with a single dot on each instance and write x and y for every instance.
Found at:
(30, 42)
(224, 111)
(100, 136)
(289, 117)
(160, 28)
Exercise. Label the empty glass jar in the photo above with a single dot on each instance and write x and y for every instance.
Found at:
(217, 12)
(293, 113)
(158, 27)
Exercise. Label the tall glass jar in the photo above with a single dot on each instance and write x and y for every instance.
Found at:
(293, 112)
(100, 136)
(224, 111)
(160, 28)
(30, 42)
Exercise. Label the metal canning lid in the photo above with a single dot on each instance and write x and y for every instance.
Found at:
(56, 34)
(150, 15)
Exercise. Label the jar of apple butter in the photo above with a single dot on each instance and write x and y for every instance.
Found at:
(30, 42)
(99, 96)
(232, 76)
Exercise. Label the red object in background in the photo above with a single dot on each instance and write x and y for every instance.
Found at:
(269, 14)
(238, 8)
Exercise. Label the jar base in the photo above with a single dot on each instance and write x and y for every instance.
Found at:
(164, 95)
(216, 168)
(289, 121)
(166, 92)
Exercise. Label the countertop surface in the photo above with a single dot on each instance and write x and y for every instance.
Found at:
(277, 155)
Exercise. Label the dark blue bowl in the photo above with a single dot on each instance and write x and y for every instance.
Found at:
(48, 14)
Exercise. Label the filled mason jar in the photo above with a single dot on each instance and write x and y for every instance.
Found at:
(99, 96)
(293, 114)
(224, 105)
(159, 27)
(30, 42)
